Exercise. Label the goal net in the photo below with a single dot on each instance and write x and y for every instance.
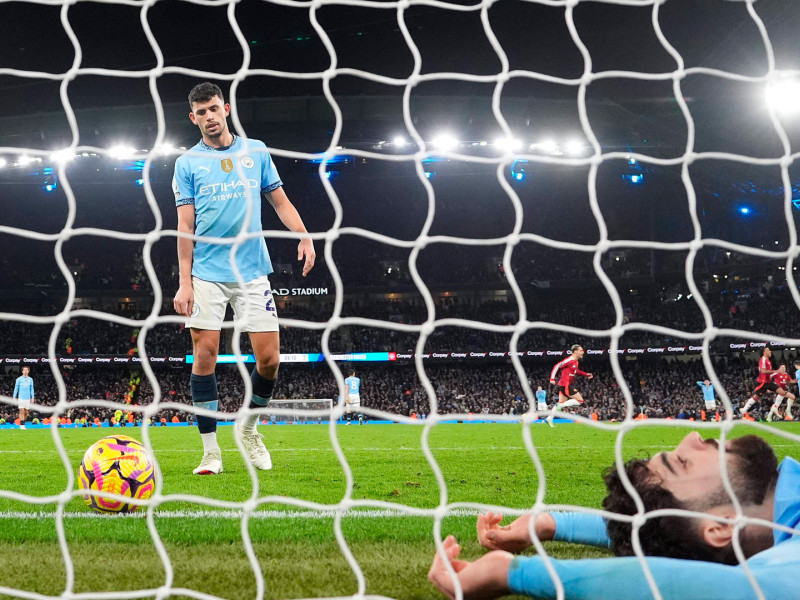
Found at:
(486, 184)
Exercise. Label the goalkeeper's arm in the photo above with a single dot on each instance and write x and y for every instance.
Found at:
(575, 527)
(498, 573)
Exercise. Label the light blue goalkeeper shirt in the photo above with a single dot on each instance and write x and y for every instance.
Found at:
(776, 570)
(219, 183)
(708, 391)
(23, 389)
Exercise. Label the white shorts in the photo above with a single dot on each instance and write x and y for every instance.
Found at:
(355, 400)
(252, 303)
(541, 406)
(711, 404)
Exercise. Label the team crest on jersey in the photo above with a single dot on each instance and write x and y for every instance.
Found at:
(248, 162)
(195, 310)
(227, 165)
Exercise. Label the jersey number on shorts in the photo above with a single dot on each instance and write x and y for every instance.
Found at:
(270, 301)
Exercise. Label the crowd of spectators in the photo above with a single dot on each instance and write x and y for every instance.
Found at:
(660, 388)
(770, 310)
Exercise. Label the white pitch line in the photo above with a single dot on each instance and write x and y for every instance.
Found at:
(236, 514)
(376, 449)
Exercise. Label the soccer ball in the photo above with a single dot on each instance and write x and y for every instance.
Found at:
(118, 464)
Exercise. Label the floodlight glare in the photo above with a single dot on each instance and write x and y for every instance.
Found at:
(508, 144)
(574, 147)
(784, 95)
(445, 142)
(165, 149)
(24, 160)
(399, 141)
(744, 210)
(62, 156)
(121, 152)
(548, 146)
(3, 162)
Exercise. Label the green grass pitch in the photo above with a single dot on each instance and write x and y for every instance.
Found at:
(299, 556)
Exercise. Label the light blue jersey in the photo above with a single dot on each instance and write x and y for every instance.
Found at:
(708, 391)
(23, 389)
(353, 385)
(541, 397)
(775, 569)
(218, 183)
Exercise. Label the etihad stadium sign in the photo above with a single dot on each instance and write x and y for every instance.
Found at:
(310, 291)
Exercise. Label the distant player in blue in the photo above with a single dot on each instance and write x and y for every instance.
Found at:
(689, 558)
(352, 398)
(708, 394)
(541, 403)
(214, 184)
(23, 390)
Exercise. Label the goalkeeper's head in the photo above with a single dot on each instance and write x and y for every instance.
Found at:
(690, 478)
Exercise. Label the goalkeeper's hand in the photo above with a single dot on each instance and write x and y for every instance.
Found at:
(516, 536)
(184, 300)
(485, 578)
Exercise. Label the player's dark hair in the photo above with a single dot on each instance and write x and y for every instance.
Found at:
(659, 536)
(672, 536)
(765, 349)
(574, 347)
(203, 92)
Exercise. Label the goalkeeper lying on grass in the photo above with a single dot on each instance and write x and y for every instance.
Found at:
(687, 478)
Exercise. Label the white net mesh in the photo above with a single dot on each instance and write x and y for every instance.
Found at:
(683, 160)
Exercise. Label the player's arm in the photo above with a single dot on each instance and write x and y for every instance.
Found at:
(487, 577)
(554, 372)
(32, 394)
(624, 579)
(574, 527)
(184, 297)
(289, 216)
(584, 374)
(16, 389)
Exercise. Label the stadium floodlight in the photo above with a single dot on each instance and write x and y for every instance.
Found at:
(121, 152)
(62, 156)
(24, 160)
(508, 144)
(548, 146)
(445, 142)
(3, 162)
(574, 147)
(165, 149)
(783, 95)
(744, 210)
(399, 141)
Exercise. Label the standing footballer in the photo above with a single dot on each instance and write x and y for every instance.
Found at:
(213, 184)
(23, 389)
